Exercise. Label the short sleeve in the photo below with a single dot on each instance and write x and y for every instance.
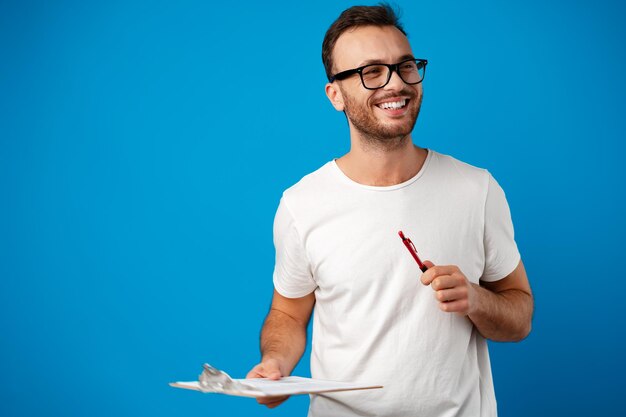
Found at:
(501, 253)
(292, 272)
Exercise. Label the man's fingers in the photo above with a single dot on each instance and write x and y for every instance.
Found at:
(452, 294)
(253, 374)
(268, 369)
(269, 372)
(265, 370)
(256, 372)
(271, 402)
(459, 306)
(435, 271)
(274, 375)
(451, 287)
(443, 282)
(427, 276)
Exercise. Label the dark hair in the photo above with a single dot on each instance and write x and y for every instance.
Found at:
(381, 15)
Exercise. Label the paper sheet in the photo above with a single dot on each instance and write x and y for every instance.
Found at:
(291, 385)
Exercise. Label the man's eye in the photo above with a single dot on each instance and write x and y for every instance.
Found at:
(371, 71)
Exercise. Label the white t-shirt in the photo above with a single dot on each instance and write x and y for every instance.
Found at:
(373, 320)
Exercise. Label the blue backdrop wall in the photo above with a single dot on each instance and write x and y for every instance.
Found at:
(144, 147)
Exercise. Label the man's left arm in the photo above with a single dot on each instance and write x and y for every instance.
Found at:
(501, 310)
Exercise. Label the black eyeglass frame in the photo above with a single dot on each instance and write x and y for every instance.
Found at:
(392, 67)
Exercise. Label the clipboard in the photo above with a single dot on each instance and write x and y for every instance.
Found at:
(212, 380)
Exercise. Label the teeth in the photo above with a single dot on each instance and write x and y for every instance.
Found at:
(393, 104)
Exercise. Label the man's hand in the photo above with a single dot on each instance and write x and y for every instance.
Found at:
(452, 288)
(270, 368)
(283, 340)
(501, 310)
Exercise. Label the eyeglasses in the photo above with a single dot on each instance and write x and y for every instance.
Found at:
(375, 76)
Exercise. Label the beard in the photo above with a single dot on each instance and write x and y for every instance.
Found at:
(373, 130)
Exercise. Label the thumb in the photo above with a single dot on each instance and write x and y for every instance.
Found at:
(426, 277)
(271, 369)
(273, 372)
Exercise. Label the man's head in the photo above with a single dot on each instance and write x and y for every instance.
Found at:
(351, 18)
(379, 112)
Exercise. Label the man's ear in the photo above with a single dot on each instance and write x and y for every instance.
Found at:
(334, 95)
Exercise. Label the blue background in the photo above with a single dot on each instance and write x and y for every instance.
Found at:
(144, 147)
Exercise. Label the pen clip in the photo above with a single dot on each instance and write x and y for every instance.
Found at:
(412, 245)
(413, 251)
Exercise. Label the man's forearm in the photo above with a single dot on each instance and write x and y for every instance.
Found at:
(504, 316)
(283, 338)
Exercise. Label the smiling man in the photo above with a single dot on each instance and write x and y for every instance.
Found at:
(377, 318)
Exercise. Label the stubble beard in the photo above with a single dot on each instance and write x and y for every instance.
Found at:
(376, 134)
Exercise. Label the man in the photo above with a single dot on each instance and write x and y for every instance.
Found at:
(379, 319)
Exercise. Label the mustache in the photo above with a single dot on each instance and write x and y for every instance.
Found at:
(404, 92)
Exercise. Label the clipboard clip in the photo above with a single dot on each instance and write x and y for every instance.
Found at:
(214, 380)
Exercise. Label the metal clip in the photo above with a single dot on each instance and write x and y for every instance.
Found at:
(213, 380)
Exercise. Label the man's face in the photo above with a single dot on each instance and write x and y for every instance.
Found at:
(366, 109)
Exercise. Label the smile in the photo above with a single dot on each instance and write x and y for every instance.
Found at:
(393, 105)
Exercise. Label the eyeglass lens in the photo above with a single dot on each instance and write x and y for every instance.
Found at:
(377, 76)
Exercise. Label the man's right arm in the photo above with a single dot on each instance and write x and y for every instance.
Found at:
(283, 339)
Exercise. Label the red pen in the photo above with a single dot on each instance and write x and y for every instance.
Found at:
(411, 247)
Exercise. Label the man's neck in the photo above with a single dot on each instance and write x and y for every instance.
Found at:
(380, 166)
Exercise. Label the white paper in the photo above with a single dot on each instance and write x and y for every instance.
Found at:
(290, 385)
